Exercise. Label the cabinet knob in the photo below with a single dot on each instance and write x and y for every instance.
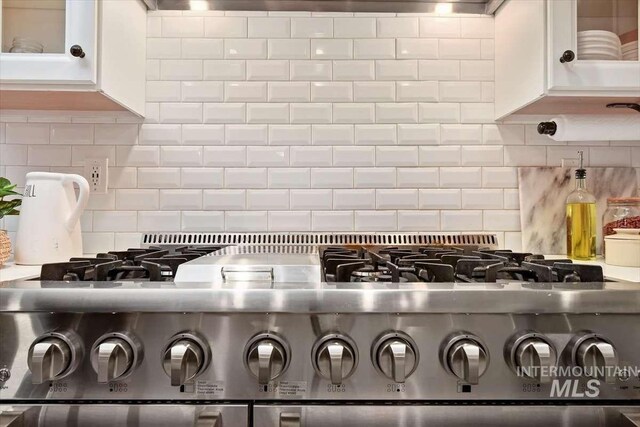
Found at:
(567, 56)
(76, 50)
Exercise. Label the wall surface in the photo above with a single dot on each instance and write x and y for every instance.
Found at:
(302, 122)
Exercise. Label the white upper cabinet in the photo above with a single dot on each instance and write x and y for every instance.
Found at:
(560, 56)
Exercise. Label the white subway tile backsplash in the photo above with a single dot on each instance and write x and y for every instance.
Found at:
(268, 70)
(288, 92)
(496, 177)
(246, 221)
(224, 69)
(97, 242)
(332, 221)
(431, 69)
(477, 70)
(460, 91)
(267, 199)
(331, 49)
(116, 134)
(417, 91)
(225, 156)
(123, 177)
(159, 221)
(311, 70)
(224, 113)
(71, 134)
(246, 134)
(454, 134)
(202, 48)
(134, 199)
(397, 112)
(482, 199)
(397, 199)
(267, 156)
(181, 156)
(352, 28)
(374, 49)
(354, 156)
(418, 221)
(459, 49)
(374, 177)
(374, 91)
(332, 178)
(438, 112)
(354, 199)
(80, 152)
(289, 221)
(502, 220)
(440, 199)
(224, 199)
(515, 155)
(13, 154)
(263, 27)
(290, 135)
(482, 155)
(137, 156)
(49, 155)
(375, 134)
(467, 177)
(183, 112)
(511, 199)
(503, 134)
(477, 27)
(245, 91)
(27, 133)
(268, 113)
(439, 27)
(245, 178)
(332, 134)
(331, 92)
(423, 134)
(289, 49)
(205, 91)
(289, 178)
(201, 178)
(245, 48)
(311, 28)
(181, 69)
(182, 26)
(353, 70)
(461, 220)
(417, 48)
(165, 134)
(397, 70)
(158, 48)
(397, 27)
(310, 113)
(225, 27)
(610, 156)
(202, 134)
(375, 220)
(158, 177)
(180, 199)
(311, 156)
(440, 156)
(353, 113)
(311, 199)
(476, 112)
(193, 221)
(417, 177)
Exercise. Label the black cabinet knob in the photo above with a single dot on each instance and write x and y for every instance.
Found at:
(567, 56)
(77, 51)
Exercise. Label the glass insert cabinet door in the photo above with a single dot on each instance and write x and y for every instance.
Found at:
(48, 41)
(594, 45)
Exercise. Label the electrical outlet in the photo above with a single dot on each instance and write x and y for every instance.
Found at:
(96, 171)
(570, 162)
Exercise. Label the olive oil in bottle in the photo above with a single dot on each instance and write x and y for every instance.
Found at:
(581, 219)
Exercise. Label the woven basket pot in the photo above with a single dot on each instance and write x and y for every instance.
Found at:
(5, 246)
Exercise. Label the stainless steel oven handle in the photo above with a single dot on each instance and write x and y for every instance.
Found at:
(209, 419)
(253, 275)
(290, 419)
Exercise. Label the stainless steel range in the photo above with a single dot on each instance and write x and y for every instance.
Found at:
(319, 330)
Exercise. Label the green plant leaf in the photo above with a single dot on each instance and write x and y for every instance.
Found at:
(9, 207)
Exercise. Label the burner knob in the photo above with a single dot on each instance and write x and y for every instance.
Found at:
(596, 355)
(335, 357)
(115, 355)
(395, 355)
(266, 357)
(466, 357)
(53, 356)
(185, 357)
(531, 354)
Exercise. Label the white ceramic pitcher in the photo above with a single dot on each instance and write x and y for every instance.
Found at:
(49, 226)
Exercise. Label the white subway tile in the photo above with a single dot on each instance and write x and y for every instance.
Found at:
(268, 70)
(396, 199)
(224, 113)
(418, 221)
(439, 156)
(245, 178)
(270, 27)
(439, 112)
(310, 113)
(440, 198)
(374, 49)
(224, 199)
(482, 155)
(180, 112)
(417, 48)
(331, 49)
(224, 69)
(159, 221)
(331, 92)
(268, 113)
(158, 177)
(461, 220)
(397, 70)
(27, 133)
(181, 69)
(154, 26)
(182, 26)
(201, 177)
(515, 155)
(311, 199)
(496, 177)
(245, 91)
(397, 27)
(80, 152)
(423, 134)
(288, 92)
(417, 91)
(247, 13)
(181, 156)
(267, 199)
(311, 156)
(104, 202)
(71, 134)
(225, 27)
(135, 199)
(353, 70)
(503, 134)
(180, 199)
(477, 27)
(354, 156)
(137, 156)
(460, 91)
(439, 27)
(376, 221)
(116, 134)
(467, 177)
(124, 241)
(354, 27)
(267, 156)
(289, 49)
(556, 154)
(397, 113)
(246, 221)
(332, 135)
(202, 134)
(417, 177)
(165, 48)
(487, 49)
(306, 28)
(482, 199)
(202, 221)
(375, 134)
(97, 242)
(332, 221)
(459, 49)
(374, 177)
(511, 199)
(513, 241)
(289, 178)
(13, 154)
(454, 134)
(477, 113)
(202, 48)
(610, 156)
(332, 178)
(439, 69)
(289, 221)
(353, 113)
(49, 155)
(310, 70)
(153, 69)
(152, 112)
(396, 156)
(502, 220)
(374, 91)
(290, 135)
(246, 134)
(152, 134)
(477, 70)
(16, 174)
(209, 91)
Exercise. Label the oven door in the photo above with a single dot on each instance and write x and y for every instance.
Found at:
(98, 415)
(441, 415)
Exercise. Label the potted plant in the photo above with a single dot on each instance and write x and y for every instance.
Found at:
(7, 207)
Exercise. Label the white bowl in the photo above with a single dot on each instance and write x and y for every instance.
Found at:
(598, 33)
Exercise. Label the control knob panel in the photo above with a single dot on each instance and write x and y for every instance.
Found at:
(531, 355)
(464, 356)
(266, 356)
(335, 357)
(185, 357)
(395, 355)
(596, 355)
(115, 355)
(53, 356)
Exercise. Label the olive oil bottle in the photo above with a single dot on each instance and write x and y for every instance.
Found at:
(581, 219)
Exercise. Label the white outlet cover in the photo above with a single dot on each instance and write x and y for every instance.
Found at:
(96, 172)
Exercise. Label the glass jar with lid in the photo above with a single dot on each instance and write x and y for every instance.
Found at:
(622, 212)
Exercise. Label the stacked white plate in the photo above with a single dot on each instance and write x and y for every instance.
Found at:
(599, 45)
(630, 51)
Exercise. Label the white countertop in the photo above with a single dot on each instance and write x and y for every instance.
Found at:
(11, 271)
